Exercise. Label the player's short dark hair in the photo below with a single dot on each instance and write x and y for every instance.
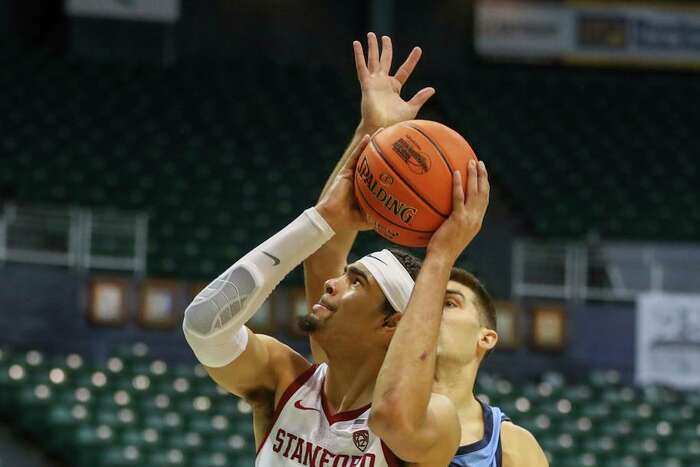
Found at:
(484, 302)
(412, 265)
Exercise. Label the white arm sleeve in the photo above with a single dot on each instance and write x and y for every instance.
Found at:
(213, 322)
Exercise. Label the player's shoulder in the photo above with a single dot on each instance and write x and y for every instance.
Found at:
(519, 447)
(516, 433)
(288, 364)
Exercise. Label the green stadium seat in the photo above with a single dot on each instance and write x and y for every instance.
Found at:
(641, 446)
(170, 457)
(146, 439)
(122, 456)
(664, 462)
(189, 441)
(93, 441)
(577, 460)
(622, 461)
(602, 446)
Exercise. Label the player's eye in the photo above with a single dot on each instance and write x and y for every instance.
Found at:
(451, 304)
(356, 281)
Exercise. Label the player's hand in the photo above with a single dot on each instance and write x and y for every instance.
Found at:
(338, 205)
(460, 228)
(382, 105)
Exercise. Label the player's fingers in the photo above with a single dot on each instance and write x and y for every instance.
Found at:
(421, 97)
(372, 52)
(484, 189)
(355, 156)
(472, 180)
(457, 191)
(484, 186)
(387, 55)
(360, 64)
(405, 70)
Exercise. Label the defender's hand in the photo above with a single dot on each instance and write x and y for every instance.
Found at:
(382, 105)
(338, 205)
(466, 218)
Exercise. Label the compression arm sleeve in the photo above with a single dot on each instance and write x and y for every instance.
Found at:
(213, 323)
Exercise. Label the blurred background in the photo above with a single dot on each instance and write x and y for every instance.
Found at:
(145, 145)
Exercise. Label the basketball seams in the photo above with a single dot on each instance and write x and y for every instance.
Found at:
(410, 185)
(358, 188)
(435, 145)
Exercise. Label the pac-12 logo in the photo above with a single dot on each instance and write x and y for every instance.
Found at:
(361, 439)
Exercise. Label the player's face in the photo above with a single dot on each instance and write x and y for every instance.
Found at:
(462, 334)
(351, 309)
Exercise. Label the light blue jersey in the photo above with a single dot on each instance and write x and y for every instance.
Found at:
(487, 451)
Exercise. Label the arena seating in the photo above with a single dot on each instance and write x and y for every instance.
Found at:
(131, 411)
(221, 155)
(136, 410)
(583, 150)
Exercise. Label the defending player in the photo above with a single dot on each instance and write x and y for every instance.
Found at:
(457, 308)
(321, 411)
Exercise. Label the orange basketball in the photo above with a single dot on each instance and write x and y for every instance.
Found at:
(403, 180)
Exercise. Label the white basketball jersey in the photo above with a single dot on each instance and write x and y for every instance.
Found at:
(304, 432)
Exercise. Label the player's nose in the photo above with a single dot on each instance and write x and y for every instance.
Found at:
(329, 287)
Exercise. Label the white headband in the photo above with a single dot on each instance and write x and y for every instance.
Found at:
(392, 277)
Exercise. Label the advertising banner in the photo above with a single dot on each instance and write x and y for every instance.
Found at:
(668, 340)
(166, 11)
(606, 33)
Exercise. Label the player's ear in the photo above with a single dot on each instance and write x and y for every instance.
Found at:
(488, 338)
(391, 321)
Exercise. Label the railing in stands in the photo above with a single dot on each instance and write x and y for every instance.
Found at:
(75, 237)
(607, 271)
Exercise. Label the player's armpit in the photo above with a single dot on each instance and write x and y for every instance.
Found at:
(520, 448)
(266, 364)
(434, 442)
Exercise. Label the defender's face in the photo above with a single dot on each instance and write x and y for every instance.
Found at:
(461, 331)
(351, 310)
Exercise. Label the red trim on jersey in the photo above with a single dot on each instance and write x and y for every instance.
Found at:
(340, 416)
(288, 393)
(391, 459)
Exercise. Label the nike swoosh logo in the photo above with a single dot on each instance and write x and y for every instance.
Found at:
(374, 257)
(298, 405)
(273, 258)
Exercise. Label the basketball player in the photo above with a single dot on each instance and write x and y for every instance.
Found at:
(322, 412)
(461, 310)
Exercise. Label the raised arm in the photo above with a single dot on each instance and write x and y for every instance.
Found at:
(416, 424)
(213, 324)
(238, 359)
(381, 106)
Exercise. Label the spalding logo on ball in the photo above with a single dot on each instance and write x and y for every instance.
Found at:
(403, 180)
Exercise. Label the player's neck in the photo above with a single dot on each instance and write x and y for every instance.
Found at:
(471, 419)
(456, 380)
(350, 383)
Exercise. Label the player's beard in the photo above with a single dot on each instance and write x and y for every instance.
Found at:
(308, 323)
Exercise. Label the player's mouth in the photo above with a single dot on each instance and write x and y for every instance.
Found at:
(323, 306)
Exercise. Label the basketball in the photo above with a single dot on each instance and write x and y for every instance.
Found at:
(403, 179)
